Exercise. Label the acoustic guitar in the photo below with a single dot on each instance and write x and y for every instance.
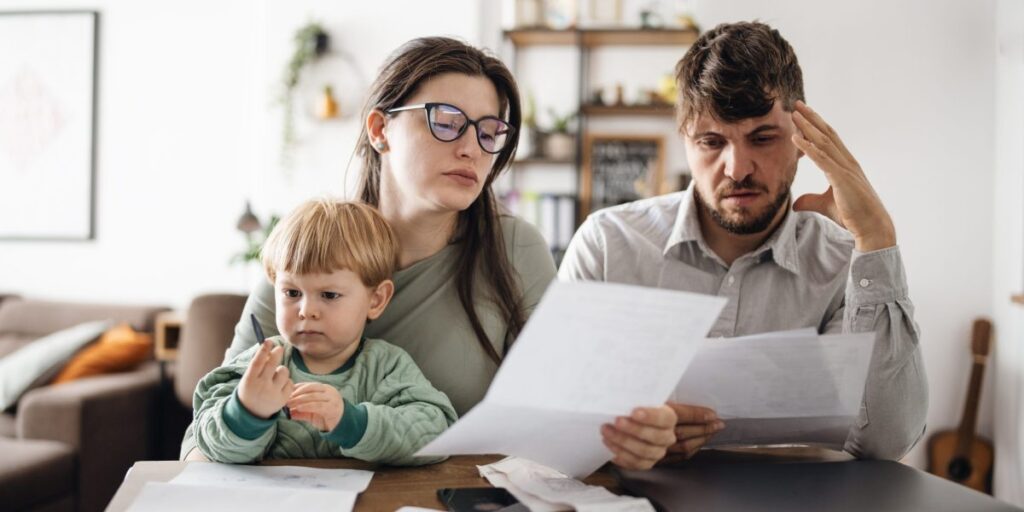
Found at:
(959, 455)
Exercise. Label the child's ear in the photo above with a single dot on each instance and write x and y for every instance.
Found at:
(379, 298)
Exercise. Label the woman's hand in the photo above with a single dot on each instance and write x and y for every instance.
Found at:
(641, 439)
(318, 404)
(265, 386)
(694, 427)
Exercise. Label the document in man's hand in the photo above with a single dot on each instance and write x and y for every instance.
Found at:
(590, 352)
(779, 388)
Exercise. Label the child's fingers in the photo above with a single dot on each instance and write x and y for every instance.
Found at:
(277, 355)
(304, 388)
(259, 361)
(308, 399)
(280, 377)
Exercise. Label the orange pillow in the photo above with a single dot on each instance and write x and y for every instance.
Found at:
(119, 349)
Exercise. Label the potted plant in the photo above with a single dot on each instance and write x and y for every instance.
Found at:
(311, 42)
(559, 144)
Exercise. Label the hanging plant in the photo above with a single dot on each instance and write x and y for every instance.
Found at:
(311, 42)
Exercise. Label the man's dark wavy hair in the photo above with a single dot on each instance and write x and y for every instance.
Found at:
(737, 71)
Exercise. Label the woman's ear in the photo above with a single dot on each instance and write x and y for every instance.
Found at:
(375, 123)
(379, 298)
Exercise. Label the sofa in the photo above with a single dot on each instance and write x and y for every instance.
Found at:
(68, 446)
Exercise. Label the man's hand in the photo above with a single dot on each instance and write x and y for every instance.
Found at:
(695, 426)
(265, 386)
(640, 440)
(850, 200)
(318, 404)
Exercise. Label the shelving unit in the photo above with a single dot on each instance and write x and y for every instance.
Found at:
(587, 40)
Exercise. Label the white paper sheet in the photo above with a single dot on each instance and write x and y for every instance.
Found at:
(238, 476)
(590, 352)
(168, 497)
(780, 387)
(543, 489)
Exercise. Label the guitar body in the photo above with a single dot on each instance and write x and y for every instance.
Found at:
(960, 455)
(974, 470)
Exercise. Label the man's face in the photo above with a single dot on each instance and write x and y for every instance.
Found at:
(742, 171)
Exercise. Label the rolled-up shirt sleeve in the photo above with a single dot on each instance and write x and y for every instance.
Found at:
(893, 411)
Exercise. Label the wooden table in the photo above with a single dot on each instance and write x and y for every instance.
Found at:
(390, 489)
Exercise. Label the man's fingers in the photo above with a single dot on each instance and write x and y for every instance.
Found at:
(693, 413)
(659, 436)
(634, 445)
(811, 115)
(821, 157)
(689, 447)
(662, 416)
(685, 432)
(625, 458)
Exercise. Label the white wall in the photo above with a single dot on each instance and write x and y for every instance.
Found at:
(187, 131)
(1008, 253)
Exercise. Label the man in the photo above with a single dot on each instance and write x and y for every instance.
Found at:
(828, 261)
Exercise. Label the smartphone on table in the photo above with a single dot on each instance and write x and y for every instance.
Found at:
(477, 499)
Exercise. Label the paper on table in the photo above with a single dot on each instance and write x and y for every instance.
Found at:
(161, 496)
(543, 486)
(590, 352)
(209, 473)
(779, 387)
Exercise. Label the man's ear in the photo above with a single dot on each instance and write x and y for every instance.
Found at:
(379, 298)
(375, 123)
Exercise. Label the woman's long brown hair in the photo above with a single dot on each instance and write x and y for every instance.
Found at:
(478, 231)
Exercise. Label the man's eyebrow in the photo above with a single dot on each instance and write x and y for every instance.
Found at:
(706, 133)
(764, 128)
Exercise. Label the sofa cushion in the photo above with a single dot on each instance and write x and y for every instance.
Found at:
(35, 318)
(8, 425)
(9, 342)
(35, 473)
(21, 369)
(119, 349)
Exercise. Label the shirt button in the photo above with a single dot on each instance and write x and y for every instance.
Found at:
(864, 283)
(732, 279)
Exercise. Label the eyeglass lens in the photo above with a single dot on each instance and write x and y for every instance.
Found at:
(447, 123)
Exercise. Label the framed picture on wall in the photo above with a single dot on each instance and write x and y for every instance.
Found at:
(47, 124)
(620, 168)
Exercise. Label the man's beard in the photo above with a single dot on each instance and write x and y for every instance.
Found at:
(746, 226)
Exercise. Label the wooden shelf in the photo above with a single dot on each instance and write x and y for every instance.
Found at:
(601, 37)
(1017, 298)
(629, 110)
(540, 160)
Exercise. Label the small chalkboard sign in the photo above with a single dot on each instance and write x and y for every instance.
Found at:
(620, 168)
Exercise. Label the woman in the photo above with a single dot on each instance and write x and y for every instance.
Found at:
(441, 123)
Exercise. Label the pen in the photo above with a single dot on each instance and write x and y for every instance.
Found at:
(259, 339)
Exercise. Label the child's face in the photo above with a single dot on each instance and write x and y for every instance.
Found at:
(323, 315)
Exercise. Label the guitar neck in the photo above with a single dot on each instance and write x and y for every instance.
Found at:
(965, 433)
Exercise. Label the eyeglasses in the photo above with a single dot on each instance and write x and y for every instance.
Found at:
(447, 123)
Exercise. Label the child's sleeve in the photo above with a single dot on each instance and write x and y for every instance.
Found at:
(224, 430)
(404, 413)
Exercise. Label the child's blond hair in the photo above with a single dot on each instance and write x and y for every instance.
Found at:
(325, 236)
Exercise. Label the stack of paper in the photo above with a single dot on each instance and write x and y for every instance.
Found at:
(543, 489)
(590, 352)
(782, 387)
(216, 487)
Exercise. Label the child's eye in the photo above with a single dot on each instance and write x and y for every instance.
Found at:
(292, 294)
(331, 295)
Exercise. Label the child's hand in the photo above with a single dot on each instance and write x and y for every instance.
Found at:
(318, 404)
(265, 386)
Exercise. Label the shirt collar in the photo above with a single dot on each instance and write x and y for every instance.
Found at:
(782, 243)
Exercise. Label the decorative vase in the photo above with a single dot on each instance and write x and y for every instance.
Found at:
(559, 146)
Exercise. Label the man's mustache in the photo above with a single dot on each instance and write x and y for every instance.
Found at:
(747, 185)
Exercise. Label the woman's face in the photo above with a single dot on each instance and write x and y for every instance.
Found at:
(426, 174)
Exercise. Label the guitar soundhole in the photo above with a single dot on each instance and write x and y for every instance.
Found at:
(959, 469)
